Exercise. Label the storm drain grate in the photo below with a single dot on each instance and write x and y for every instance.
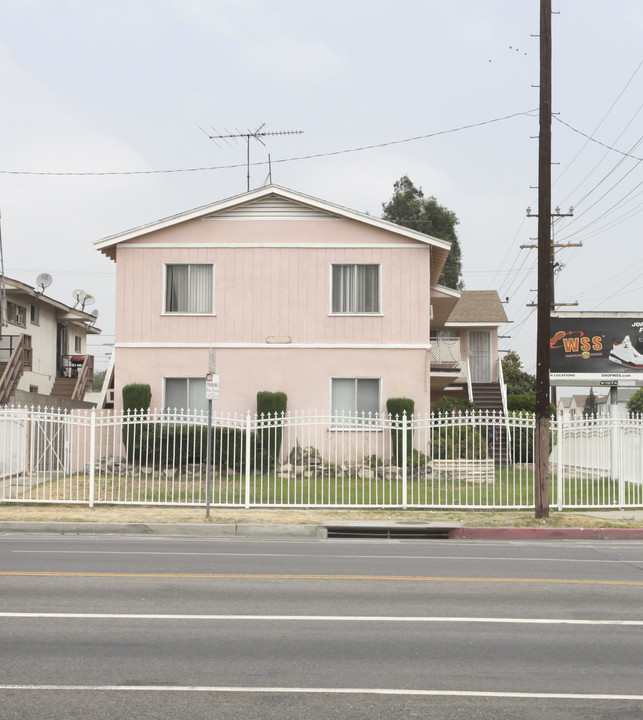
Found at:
(357, 531)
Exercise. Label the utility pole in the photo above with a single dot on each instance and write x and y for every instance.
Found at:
(541, 449)
(3, 291)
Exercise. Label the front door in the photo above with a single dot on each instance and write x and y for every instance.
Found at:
(480, 355)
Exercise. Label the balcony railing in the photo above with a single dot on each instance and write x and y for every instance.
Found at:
(445, 353)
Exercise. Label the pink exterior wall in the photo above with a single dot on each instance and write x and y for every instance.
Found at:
(303, 374)
(266, 292)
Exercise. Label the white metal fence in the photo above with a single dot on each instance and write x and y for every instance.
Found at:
(477, 460)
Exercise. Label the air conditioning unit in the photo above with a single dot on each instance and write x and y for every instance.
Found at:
(20, 319)
(109, 397)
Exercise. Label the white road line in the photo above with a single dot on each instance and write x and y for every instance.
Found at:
(321, 618)
(328, 691)
(326, 557)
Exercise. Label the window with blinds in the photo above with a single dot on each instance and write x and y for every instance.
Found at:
(355, 289)
(188, 289)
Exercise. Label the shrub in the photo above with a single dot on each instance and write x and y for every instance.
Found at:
(397, 407)
(448, 405)
(270, 405)
(174, 446)
(635, 403)
(524, 402)
(136, 398)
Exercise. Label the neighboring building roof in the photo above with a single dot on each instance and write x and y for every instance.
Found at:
(69, 313)
(275, 211)
(478, 307)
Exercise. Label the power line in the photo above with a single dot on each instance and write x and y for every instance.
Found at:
(284, 160)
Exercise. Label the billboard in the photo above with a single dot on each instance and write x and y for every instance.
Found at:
(596, 348)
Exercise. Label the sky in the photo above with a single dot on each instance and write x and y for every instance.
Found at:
(108, 107)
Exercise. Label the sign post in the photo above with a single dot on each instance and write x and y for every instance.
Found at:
(211, 393)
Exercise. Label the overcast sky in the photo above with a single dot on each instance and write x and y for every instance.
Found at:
(445, 91)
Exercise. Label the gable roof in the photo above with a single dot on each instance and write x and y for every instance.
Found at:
(478, 306)
(234, 207)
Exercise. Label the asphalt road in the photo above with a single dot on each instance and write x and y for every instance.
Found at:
(154, 627)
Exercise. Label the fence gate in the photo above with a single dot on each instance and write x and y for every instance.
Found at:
(49, 444)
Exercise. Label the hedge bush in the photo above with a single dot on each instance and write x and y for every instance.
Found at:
(270, 405)
(136, 398)
(396, 408)
(174, 446)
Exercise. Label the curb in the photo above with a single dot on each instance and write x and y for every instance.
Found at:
(423, 531)
(163, 529)
(491, 533)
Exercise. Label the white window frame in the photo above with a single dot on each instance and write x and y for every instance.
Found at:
(173, 313)
(187, 379)
(16, 314)
(34, 315)
(339, 421)
(355, 265)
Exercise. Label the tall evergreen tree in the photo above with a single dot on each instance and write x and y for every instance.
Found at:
(589, 409)
(410, 208)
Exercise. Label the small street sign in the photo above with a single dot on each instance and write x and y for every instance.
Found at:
(211, 386)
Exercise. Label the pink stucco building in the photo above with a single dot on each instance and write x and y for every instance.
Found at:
(336, 308)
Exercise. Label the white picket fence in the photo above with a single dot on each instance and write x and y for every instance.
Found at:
(473, 461)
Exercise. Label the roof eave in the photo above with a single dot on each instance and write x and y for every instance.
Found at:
(106, 245)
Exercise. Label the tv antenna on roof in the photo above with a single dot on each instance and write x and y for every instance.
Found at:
(256, 134)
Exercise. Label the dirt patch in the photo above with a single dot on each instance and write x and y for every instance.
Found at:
(150, 514)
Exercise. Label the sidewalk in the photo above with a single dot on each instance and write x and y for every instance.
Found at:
(66, 520)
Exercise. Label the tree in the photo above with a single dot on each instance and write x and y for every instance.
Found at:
(589, 408)
(518, 381)
(99, 377)
(635, 403)
(408, 207)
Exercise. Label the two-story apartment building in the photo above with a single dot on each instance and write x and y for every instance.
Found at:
(331, 306)
(43, 348)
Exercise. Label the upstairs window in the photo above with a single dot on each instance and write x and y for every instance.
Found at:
(16, 314)
(355, 289)
(188, 289)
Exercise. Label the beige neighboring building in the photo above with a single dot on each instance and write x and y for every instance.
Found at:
(43, 349)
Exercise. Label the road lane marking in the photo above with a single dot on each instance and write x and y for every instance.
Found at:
(297, 576)
(320, 618)
(328, 691)
(449, 558)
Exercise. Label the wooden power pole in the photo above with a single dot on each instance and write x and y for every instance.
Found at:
(541, 449)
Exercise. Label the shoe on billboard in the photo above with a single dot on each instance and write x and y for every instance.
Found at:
(624, 353)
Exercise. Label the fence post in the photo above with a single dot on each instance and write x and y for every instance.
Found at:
(92, 451)
(248, 448)
(559, 460)
(405, 460)
(614, 449)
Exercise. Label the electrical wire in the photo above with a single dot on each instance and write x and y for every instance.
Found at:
(283, 160)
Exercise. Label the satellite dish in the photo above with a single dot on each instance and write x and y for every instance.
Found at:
(79, 296)
(43, 281)
(94, 314)
(88, 300)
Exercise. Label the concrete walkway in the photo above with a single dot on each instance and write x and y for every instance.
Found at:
(398, 529)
